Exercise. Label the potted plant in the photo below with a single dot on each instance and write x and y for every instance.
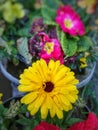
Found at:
(53, 31)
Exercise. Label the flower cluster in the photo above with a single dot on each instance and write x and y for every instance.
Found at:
(64, 38)
(53, 40)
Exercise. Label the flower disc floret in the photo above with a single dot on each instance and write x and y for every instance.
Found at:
(51, 88)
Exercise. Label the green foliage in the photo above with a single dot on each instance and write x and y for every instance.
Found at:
(22, 46)
(94, 102)
(4, 44)
(69, 46)
(1, 30)
(50, 23)
(48, 13)
(72, 121)
(84, 44)
(24, 121)
(7, 49)
(24, 32)
(51, 3)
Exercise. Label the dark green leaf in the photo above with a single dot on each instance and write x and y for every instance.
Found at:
(3, 127)
(73, 121)
(24, 32)
(24, 121)
(52, 3)
(1, 109)
(84, 44)
(48, 13)
(13, 127)
(28, 128)
(95, 104)
(23, 109)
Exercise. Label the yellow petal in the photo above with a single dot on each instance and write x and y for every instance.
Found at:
(64, 100)
(48, 102)
(38, 102)
(44, 111)
(45, 70)
(29, 97)
(59, 112)
(60, 75)
(55, 99)
(23, 88)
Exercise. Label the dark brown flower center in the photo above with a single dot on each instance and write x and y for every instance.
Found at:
(48, 86)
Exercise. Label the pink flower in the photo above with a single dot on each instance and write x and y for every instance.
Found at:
(91, 123)
(45, 126)
(70, 21)
(51, 49)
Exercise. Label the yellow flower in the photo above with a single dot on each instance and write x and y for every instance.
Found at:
(1, 97)
(12, 11)
(51, 88)
(83, 62)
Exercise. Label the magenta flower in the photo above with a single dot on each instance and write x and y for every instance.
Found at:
(70, 21)
(51, 49)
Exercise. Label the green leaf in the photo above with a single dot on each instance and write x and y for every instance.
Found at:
(50, 23)
(13, 127)
(84, 44)
(22, 46)
(52, 3)
(3, 127)
(95, 104)
(4, 44)
(1, 31)
(24, 121)
(24, 32)
(48, 13)
(28, 128)
(2, 110)
(58, 32)
(73, 121)
(23, 109)
(69, 46)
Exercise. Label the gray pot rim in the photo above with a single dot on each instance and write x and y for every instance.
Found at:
(16, 81)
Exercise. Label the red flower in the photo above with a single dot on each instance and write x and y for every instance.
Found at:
(91, 123)
(45, 126)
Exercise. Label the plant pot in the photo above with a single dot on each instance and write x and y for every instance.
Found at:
(14, 81)
(84, 79)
